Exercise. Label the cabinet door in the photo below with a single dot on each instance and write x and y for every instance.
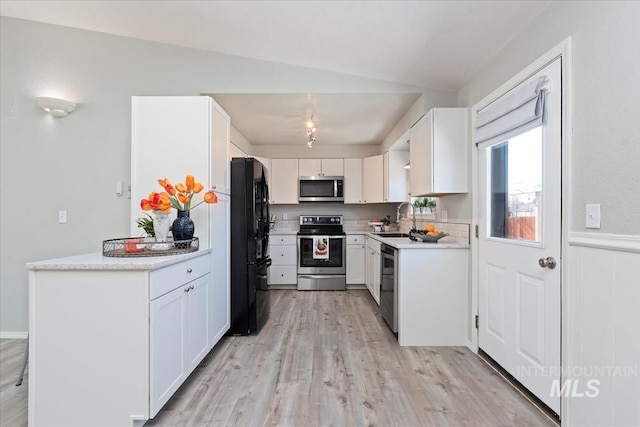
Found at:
(197, 314)
(355, 264)
(333, 167)
(220, 139)
(220, 314)
(161, 126)
(284, 181)
(167, 346)
(372, 168)
(375, 286)
(352, 181)
(395, 177)
(420, 154)
(309, 167)
(449, 163)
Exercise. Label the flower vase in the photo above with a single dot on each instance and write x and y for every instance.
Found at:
(183, 227)
(161, 225)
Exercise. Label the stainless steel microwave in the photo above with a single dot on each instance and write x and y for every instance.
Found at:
(321, 189)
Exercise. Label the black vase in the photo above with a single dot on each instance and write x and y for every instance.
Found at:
(183, 227)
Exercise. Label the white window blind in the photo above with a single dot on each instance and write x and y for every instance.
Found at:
(519, 110)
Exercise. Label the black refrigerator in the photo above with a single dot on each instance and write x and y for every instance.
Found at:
(249, 246)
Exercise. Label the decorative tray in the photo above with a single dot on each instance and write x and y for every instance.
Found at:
(427, 238)
(141, 247)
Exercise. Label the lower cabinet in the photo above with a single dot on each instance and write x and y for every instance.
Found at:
(355, 259)
(372, 268)
(284, 258)
(179, 337)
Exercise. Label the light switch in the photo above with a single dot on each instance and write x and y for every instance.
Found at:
(593, 216)
(444, 216)
(285, 216)
(62, 217)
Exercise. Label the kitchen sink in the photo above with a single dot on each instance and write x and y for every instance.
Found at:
(390, 234)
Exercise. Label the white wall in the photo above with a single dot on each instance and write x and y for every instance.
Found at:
(74, 163)
(601, 291)
(606, 127)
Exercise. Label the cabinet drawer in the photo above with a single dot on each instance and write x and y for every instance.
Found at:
(355, 239)
(283, 275)
(168, 278)
(284, 255)
(280, 239)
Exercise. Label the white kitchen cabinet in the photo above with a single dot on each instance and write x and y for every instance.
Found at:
(395, 177)
(352, 181)
(284, 258)
(355, 259)
(220, 319)
(372, 176)
(438, 153)
(284, 181)
(320, 167)
(127, 331)
(179, 337)
(372, 268)
(176, 136)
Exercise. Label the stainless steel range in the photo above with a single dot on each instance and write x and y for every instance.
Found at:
(321, 253)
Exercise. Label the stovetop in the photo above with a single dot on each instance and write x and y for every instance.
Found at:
(321, 224)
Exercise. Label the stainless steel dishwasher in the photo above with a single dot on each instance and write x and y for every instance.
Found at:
(389, 286)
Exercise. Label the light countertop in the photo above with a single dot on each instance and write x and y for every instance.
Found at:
(277, 232)
(406, 243)
(96, 261)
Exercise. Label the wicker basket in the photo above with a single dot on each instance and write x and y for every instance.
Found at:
(141, 247)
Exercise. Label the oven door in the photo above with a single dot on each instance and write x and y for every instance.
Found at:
(333, 263)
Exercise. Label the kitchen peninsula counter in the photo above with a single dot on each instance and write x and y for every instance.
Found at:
(111, 339)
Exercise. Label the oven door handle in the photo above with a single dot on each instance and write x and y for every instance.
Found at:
(321, 276)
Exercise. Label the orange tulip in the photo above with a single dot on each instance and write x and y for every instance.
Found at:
(183, 197)
(210, 197)
(197, 187)
(189, 181)
(155, 202)
(181, 188)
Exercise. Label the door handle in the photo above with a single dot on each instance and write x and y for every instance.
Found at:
(548, 262)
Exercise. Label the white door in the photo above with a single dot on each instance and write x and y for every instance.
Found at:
(519, 242)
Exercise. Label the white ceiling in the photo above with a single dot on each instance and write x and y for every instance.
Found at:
(435, 44)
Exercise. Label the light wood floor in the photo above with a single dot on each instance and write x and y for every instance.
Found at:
(323, 359)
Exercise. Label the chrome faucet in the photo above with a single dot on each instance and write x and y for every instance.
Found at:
(398, 215)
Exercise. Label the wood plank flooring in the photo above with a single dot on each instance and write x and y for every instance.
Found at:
(323, 359)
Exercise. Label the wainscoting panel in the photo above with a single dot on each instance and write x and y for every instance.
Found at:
(604, 316)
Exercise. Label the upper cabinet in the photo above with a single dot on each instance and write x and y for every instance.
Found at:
(352, 181)
(372, 179)
(176, 136)
(395, 177)
(320, 167)
(284, 181)
(438, 153)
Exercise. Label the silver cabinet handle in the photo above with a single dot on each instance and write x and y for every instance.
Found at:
(213, 186)
(189, 270)
(548, 262)
(186, 289)
(191, 287)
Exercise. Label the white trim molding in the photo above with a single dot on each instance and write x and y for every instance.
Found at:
(614, 242)
(7, 335)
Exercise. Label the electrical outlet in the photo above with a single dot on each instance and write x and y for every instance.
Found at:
(593, 216)
(62, 217)
(285, 216)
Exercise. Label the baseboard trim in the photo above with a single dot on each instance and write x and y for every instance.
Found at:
(614, 242)
(10, 335)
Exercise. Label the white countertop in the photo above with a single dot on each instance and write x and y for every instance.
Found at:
(96, 261)
(406, 243)
(282, 232)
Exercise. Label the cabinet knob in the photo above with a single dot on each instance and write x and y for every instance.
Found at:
(189, 270)
(186, 289)
(213, 186)
(191, 287)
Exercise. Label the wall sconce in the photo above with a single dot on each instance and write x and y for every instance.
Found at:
(56, 107)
